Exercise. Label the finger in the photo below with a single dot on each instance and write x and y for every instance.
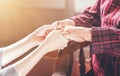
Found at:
(65, 33)
(69, 31)
(47, 32)
(60, 25)
(70, 27)
(41, 38)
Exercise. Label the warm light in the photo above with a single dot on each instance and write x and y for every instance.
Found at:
(10, 3)
(1, 1)
(7, 11)
(5, 2)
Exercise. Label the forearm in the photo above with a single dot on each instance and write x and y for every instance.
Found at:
(85, 19)
(20, 68)
(89, 17)
(30, 60)
(53, 41)
(15, 50)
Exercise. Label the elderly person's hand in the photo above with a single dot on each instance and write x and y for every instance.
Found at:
(78, 34)
(61, 24)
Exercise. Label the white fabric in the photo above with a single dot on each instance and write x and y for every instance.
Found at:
(1, 58)
(8, 71)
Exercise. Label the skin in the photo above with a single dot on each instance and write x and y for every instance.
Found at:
(54, 38)
(72, 32)
(17, 49)
(78, 34)
(56, 34)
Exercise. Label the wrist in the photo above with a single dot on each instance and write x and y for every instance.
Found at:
(86, 33)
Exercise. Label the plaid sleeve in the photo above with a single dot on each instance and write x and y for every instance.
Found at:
(105, 40)
(89, 16)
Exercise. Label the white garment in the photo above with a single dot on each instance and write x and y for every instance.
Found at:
(8, 71)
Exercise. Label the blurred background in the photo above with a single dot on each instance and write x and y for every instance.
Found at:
(18, 18)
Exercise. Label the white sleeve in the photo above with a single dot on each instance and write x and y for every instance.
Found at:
(1, 50)
(8, 71)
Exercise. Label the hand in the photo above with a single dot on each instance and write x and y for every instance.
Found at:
(63, 23)
(39, 34)
(78, 34)
(55, 40)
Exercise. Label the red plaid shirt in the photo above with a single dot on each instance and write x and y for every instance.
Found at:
(105, 46)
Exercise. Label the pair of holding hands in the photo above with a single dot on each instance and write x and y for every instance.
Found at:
(58, 34)
(72, 32)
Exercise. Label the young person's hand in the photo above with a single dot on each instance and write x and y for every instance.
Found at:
(78, 34)
(39, 34)
(55, 40)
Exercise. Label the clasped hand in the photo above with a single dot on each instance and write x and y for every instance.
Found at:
(78, 34)
(55, 37)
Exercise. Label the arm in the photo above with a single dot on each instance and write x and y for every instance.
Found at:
(88, 18)
(52, 42)
(105, 40)
(19, 48)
